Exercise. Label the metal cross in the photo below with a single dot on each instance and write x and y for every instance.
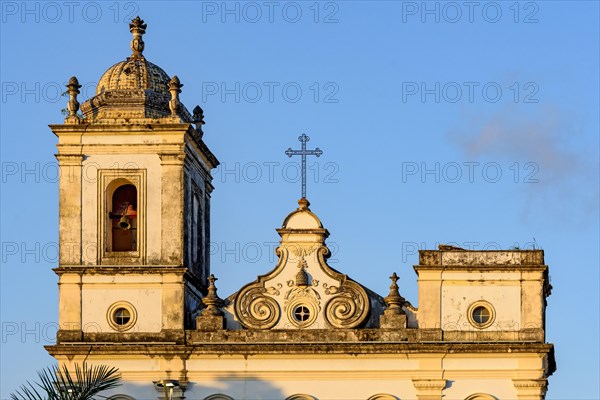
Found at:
(316, 152)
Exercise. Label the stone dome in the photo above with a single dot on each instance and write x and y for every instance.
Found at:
(134, 90)
(135, 73)
(302, 218)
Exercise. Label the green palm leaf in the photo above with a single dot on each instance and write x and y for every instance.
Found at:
(58, 384)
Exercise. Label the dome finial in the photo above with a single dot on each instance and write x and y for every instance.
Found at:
(304, 204)
(137, 27)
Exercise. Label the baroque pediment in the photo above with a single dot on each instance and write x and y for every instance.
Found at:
(302, 291)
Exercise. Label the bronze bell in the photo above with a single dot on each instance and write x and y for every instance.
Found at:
(301, 278)
(124, 223)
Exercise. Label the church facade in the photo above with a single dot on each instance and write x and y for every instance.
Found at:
(136, 292)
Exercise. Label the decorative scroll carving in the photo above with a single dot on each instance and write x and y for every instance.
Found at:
(274, 291)
(303, 292)
(323, 253)
(256, 310)
(349, 308)
(330, 289)
(302, 250)
(334, 302)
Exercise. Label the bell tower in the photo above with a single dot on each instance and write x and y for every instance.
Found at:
(134, 206)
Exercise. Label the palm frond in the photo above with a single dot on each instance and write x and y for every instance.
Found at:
(59, 384)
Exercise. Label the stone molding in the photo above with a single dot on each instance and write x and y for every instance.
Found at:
(120, 269)
(429, 389)
(531, 389)
(69, 159)
(287, 343)
(466, 258)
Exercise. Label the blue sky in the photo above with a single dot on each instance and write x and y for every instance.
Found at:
(440, 122)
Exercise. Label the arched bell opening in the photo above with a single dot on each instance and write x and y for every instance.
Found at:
(123, 217)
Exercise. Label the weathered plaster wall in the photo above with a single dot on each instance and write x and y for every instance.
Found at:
(333, 377)
(514, 283)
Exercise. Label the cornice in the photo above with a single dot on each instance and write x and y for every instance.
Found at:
(119, 270)
(185, 130)
(530, 383)
(424, 384)
(309, 348)
(149, 128)
(482, 268)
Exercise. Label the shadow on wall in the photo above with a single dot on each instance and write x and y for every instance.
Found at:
(251, 388)
(224, 388)
(232, 387)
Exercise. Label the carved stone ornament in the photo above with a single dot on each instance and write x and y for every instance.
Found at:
(73, 105)
(175, 88)
(138, 28)
(394, 300)
(256, 309)
(302, 306)
(337, 302)
(212, 301)
(198, 119)
(349, 307)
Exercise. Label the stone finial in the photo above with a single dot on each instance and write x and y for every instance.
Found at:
(303, 204)
(393, 300)
(212, 301)
(73, 105)
(394, 316)
(137, 27)
(198, 119)
(175, 88)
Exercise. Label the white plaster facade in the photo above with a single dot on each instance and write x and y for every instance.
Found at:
(301, 331)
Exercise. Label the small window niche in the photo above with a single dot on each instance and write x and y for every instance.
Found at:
(122, 196)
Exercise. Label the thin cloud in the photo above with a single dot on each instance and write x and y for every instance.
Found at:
(567, 174)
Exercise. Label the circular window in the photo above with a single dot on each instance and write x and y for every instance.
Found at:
(481, 314)
(121, 316)
(301, 313)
